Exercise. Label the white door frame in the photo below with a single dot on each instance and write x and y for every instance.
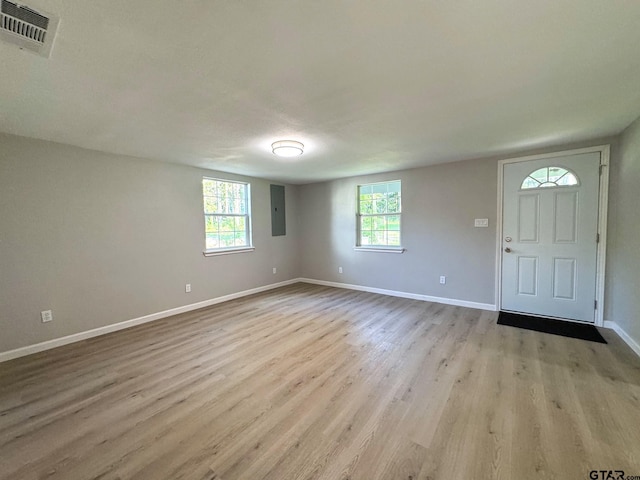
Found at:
(603, 201)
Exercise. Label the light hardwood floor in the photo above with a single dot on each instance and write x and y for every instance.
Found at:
(309, 382)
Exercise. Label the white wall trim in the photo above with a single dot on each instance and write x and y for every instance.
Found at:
(76, 337)
(227, 251)
(395, 293)
(603, 208)
(623, 335)
(379, 249)
(605, 152)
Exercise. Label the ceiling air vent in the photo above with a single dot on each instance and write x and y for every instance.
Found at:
(27, 28)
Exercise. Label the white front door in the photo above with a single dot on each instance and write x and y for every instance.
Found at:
(549, 243)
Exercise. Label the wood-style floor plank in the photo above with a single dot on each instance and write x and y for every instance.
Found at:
(311, 382)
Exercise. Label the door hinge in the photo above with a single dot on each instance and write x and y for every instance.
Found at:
(597, 238)
(600, 169)
(595, 304)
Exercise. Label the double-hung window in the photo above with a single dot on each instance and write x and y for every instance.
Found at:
(379, 215)
(227, 216)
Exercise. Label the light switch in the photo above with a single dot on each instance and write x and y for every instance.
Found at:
(481, 222)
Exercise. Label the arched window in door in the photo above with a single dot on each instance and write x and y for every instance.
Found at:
(549, 177)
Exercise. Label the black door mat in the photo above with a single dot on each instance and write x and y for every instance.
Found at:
(549, 325)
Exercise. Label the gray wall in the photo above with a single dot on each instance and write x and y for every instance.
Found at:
(623, 260)
(101, 238)
(439, 205)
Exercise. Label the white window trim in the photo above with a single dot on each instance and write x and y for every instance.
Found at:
(227, 251)
(379, 249)
(376, 248)
(567, 171)
(232, 250)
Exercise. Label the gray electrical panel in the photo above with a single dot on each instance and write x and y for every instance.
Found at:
(278, 221)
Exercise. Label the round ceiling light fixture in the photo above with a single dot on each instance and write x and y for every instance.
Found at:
(287, 148)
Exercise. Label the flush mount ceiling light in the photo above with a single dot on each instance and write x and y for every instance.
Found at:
(287, 148)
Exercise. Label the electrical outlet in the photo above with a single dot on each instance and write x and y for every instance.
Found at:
(46, 316)
(275, 270)
(443, 279)
(339, 269)
(187, 288)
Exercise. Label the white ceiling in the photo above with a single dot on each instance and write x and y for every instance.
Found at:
(366, 85)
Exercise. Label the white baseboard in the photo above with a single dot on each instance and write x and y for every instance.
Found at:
(76, 337)
(394, 293)
(623, 335)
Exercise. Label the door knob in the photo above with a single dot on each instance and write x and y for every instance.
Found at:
(508, 250)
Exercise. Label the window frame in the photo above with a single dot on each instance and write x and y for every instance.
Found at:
(381, 248)
(208, 252)
(550, 184)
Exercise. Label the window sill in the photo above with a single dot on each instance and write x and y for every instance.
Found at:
(380, 249)
(227, 251)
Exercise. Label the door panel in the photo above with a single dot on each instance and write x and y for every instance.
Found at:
(564, 278)
(566, 217)
(527, 276)
(549, 237)
(528, 218)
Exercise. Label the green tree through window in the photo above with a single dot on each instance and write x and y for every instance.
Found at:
(379, 213)
(226, 214)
